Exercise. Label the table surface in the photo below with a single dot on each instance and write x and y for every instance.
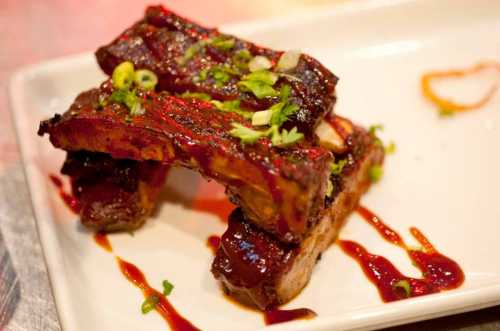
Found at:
(36, 30)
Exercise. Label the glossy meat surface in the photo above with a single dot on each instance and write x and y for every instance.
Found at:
(281, 188)
(113, 195)
(161, 39)
(260, 271)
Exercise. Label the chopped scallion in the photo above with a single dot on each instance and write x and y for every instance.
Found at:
(123, 75)
(259, 63)
(223, 43)
(246, 134)
(167, 287)
(262, 117)
(288, 61)
(337, 167)
(145, 79)
(375, 173)
(404, 285)
(150, 304)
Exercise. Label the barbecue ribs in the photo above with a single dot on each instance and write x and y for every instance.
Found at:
(280, 190)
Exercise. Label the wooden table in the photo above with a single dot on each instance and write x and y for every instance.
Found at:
(36, 30)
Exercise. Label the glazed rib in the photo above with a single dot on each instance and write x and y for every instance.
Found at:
(261, 271)
(113, 195)
(281, 190)
(161, 40)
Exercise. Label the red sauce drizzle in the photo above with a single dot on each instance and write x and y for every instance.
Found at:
(213, 242)
(68, 199)
(164, 307)
(220, 207)
(439, 272)
(101, 238)
(276, 315)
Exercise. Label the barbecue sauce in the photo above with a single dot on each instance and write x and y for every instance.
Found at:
(70, 201)
(275, 315)
(439, 271)
(101, 239)
(213, 242)
(221, 207)
(163, 307)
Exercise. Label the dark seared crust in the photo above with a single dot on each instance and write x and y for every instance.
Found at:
(161, 38)
(288, 183)
(113, 195)
(260, 271)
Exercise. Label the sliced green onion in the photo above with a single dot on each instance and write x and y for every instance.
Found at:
(390, 148)
(337, 167)
(145, 79)
(288, 61)
(192, 51)
(241, 58)
(259, 63)
(405, 285)
(123, 75)
(223, 43)
(329, 188)
(258, 88)
(150, 304)
(290, 137)
(375, 173)
(265, 76)
(196, 95)
(137, 109)
(232, 106)
(167, 287)
(246, 134)
(262, 117)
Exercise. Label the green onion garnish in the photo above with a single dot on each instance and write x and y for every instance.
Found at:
(223, 43)
(375, 173)
(258, 88)
(145, 79)
(241, 58)
(288, 61)
(123, 75)
(232, 106)
(337, 167)
(391, 148)
(149, 304)
(262, 117)
(289, 137)
(246, 134)
(405, 285)
(196, 95)
(167, 287)
(329, 188)
(259, 63)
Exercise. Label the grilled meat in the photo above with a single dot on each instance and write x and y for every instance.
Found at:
(113, 195)
(280, 190)
(261, 271)
(188, 57)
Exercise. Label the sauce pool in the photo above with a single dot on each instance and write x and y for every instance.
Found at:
(275, 316)
(439, 272)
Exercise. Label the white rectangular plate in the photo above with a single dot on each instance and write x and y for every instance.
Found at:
(444, 177)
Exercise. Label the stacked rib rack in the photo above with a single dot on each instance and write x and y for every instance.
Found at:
(258, 121)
